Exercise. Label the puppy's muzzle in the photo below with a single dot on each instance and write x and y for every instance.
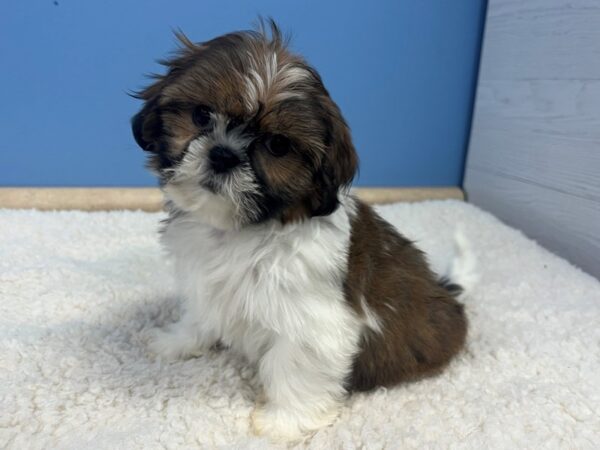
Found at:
(222, 159)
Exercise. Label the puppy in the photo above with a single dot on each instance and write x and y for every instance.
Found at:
(274, 258)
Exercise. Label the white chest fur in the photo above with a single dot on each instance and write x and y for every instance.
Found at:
(247, 287)
(275, 294)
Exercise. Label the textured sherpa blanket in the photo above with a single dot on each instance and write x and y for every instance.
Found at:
(77, 290)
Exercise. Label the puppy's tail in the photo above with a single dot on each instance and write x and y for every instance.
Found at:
(461, 276)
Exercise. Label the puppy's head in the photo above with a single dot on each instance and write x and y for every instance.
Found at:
(239, 130)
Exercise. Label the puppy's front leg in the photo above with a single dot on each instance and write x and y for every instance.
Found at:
(180, 340)
(304, 387)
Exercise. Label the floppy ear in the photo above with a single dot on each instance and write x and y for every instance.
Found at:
(338, 167)
(147, 127)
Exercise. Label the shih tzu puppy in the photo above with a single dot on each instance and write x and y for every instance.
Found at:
(273, 256)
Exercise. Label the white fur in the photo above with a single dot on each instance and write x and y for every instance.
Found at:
(214, 210)
(274, 294)
(463, 264)
(268, 77)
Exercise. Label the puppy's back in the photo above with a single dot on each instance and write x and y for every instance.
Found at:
(415, 324)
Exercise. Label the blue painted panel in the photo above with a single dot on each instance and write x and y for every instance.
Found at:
(403, 72)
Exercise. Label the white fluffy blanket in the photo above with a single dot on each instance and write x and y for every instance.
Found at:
(76, 290)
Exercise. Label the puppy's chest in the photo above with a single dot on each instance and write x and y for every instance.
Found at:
(258, 272)
(237, 271)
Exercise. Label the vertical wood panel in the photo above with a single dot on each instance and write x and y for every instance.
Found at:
(542, 39)
(543, 215)
(534, 153)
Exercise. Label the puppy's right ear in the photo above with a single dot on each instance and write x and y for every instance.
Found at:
(147, 127)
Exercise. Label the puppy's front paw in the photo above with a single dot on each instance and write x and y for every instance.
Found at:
(275, 425)
(170, 345)
(282, 425)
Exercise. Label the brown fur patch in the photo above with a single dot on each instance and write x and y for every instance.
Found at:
(423, 326)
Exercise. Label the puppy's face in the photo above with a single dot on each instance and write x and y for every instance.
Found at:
(240, 131)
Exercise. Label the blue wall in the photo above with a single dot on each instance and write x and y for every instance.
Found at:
(403, 72)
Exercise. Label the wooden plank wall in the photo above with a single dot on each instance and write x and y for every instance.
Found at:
(534, 153)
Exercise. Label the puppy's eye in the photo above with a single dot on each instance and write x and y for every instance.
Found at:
(201, 116)
(278, 145)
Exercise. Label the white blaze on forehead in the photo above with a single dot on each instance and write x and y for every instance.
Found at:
(268, 79)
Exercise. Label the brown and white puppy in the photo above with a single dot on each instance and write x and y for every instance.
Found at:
(273, 257)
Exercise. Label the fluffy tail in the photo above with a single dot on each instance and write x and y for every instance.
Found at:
(461, 276)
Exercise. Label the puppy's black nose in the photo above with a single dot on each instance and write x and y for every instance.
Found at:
(222, 159)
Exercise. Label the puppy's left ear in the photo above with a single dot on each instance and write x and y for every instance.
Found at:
(147, 127)
(339, 165)
(147, 124)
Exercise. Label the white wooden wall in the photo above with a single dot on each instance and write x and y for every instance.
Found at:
(534, 154)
